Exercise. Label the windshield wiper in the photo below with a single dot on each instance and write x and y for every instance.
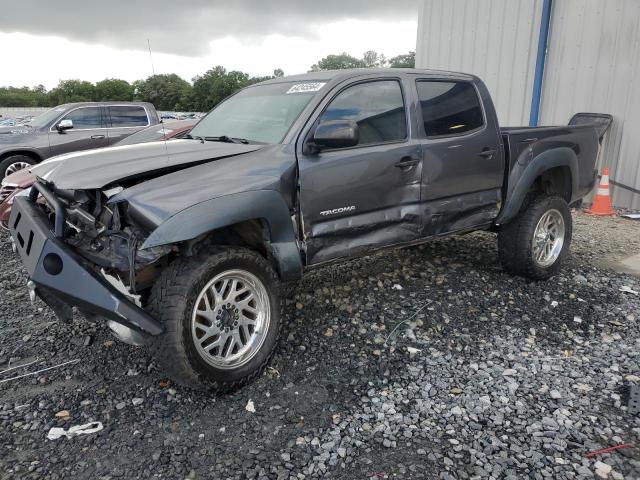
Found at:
(194, 137)
(227, 139)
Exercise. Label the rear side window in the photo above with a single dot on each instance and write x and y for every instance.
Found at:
(449, 108)
(85, 117)
(128, 116)
(377, 107)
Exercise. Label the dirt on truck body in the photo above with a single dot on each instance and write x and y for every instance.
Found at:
(184, 246)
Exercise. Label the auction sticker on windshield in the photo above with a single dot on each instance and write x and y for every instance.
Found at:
(306, 87)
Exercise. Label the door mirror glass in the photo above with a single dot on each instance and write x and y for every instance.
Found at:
(336, 134)
(65, 124)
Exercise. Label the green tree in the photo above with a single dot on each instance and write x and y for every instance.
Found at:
(278, 73)
(403, 61)
(372, 59)
(69, 91)
(166, 91)
(23, 97)
(337, 62)
(111, 89)
(215, 85)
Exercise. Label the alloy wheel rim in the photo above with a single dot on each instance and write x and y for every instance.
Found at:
(15, 167)
(231, 319)
(548, 238)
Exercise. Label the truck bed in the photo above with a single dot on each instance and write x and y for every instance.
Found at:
(523, 144)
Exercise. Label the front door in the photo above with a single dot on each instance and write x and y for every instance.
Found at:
(88, 131)
(367, 196)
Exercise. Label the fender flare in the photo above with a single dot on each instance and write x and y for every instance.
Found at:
(204, 217)
(522, 177)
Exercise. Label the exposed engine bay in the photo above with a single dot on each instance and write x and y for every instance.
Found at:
(103, 234)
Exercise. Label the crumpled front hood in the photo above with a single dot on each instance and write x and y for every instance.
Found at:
(154, 201)
(100, 167)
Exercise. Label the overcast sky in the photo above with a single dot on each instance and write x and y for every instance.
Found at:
(44, 41)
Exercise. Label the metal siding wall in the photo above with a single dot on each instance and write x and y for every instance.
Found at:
(494, 39)
(593, 65)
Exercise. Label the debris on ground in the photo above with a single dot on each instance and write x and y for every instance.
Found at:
(38, 372)
(628, 289)
(85, 429)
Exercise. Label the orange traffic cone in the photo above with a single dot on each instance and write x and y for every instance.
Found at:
(602, 201)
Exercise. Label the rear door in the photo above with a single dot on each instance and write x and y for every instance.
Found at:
(123, 120)
(463, 167)
(367, 196)
(88, 131)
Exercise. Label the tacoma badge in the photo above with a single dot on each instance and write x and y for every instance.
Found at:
(338, 210)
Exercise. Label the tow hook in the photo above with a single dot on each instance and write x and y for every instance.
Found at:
(32, 290)
(13, 245)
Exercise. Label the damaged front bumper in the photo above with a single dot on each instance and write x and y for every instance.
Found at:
(63, 279)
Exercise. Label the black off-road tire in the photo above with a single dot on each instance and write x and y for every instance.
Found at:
(172, 301)
(4, 164)
(515, 246)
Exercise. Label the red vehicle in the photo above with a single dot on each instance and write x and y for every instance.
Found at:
(23, 179)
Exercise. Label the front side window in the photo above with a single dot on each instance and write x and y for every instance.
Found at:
(85, 117)
(449, 108)
(377, 107)
(128, 116)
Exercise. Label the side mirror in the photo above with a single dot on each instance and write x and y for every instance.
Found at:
(65, 124)
(336, 134)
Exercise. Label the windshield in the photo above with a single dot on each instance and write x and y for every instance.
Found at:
(263, 113)
(45, 118)
(149, 134)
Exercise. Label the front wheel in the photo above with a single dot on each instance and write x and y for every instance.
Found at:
(536, 242)
(14, 164)
(222, 318)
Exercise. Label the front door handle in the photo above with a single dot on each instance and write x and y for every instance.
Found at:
(96, 137)
(487, 152)
(407, 162)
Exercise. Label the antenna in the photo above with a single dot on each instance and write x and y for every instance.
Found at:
(153, 72)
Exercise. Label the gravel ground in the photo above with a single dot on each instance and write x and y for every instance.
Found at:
(426, 362)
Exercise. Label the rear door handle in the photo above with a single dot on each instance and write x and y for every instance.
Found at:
(407, 162)
(96, 137)
(487, 152)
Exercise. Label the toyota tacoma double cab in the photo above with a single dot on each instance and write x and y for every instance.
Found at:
(184, 246)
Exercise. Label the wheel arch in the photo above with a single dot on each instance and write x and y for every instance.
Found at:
(553, 172)
(22, 151)
(243, 214)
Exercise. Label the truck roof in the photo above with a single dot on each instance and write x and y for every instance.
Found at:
(119, 102)
(355, 72)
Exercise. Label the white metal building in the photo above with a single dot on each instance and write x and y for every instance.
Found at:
(591, 63)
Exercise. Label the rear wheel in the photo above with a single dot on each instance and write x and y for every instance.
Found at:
(221, 313)
(15, 163)
(536, 242)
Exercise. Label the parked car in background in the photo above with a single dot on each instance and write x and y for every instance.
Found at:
(167, 130)
(23, 179)
(184, 245)
(69, 128)
(8, 122)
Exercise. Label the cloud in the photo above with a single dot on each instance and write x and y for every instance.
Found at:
(188, 28)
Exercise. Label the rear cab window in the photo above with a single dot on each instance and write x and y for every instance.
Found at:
(376, 106)
(128, 116)
(449, 108)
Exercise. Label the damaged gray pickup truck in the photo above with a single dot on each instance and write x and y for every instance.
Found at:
(183, 246)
